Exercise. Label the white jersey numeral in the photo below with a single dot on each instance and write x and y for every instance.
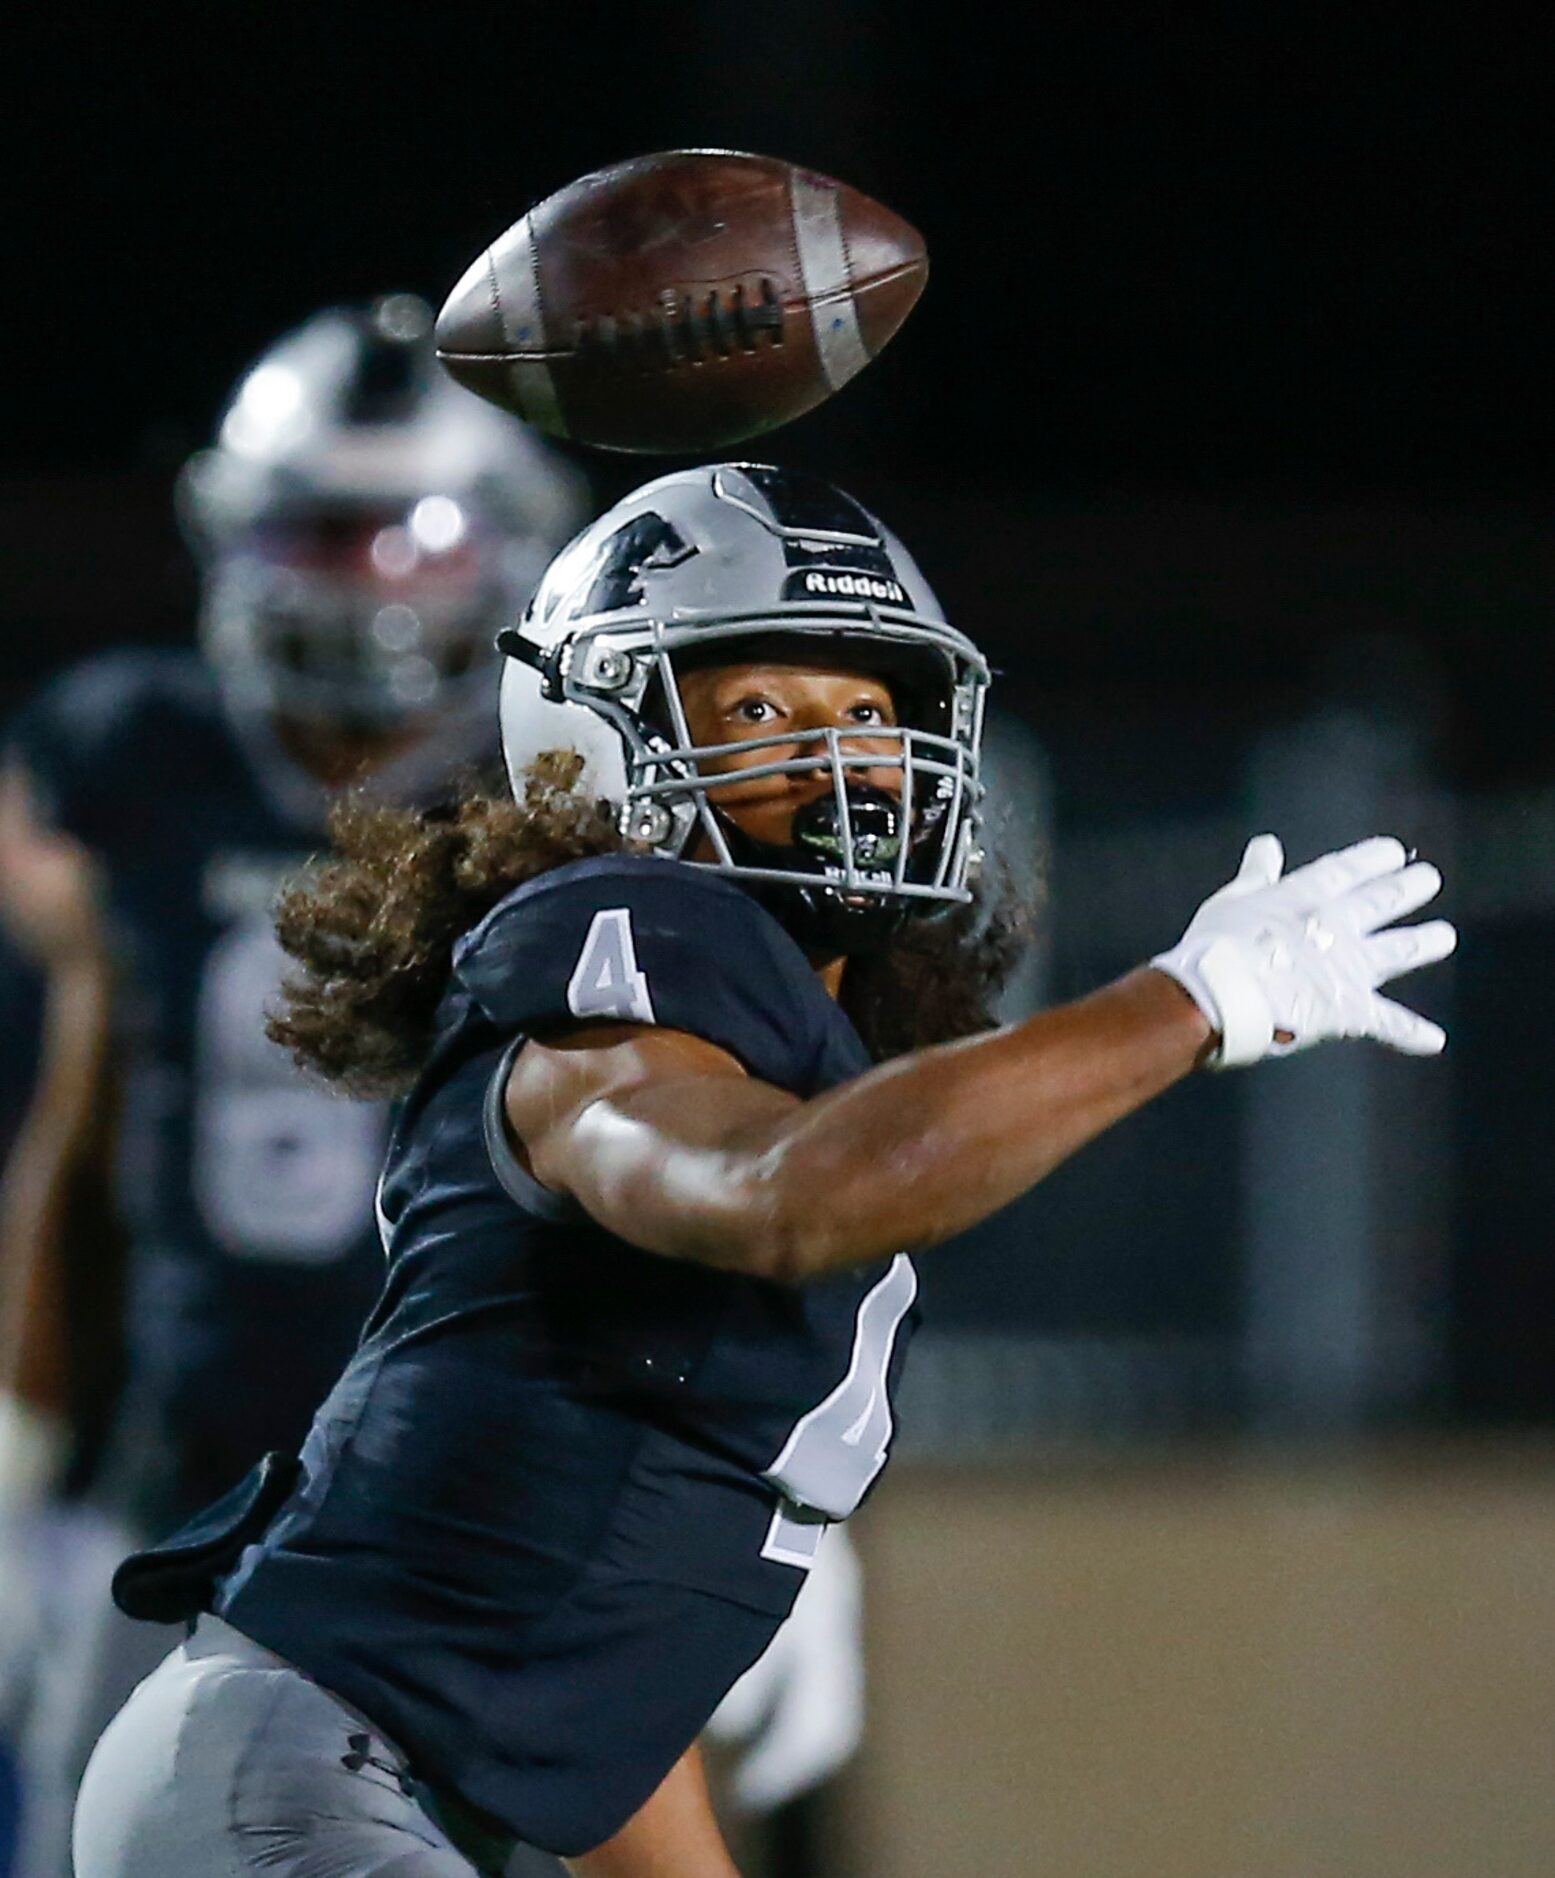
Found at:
(606, 981)
(282, 1170)
(835, 1450)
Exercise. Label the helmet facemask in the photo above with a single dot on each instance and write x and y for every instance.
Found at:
(349, 622)
(861, 859)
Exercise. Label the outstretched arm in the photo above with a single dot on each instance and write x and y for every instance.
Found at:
(665, 1141)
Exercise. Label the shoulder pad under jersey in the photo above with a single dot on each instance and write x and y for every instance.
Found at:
(630, 939)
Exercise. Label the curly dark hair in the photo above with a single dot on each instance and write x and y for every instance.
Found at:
(374, 926)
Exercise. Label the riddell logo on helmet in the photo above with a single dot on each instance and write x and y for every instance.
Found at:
(814, 584)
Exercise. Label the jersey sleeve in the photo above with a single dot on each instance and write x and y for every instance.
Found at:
(650, 942)
(82, 741)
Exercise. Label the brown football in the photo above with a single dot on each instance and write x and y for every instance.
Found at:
(681, 302)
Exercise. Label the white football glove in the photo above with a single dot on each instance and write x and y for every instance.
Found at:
(797, 1715)
(1277, 965)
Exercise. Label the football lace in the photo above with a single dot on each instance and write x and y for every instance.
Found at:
(685, 329)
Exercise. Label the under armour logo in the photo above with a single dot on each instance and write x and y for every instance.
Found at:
(359, 1755)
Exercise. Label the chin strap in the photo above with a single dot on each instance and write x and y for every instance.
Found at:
(512, 644)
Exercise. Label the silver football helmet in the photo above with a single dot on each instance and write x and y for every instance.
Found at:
(699, 565)
(363, 525)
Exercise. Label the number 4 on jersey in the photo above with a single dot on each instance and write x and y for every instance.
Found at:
(606, 981)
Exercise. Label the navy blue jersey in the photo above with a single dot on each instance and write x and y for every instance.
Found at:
(566, 1489)
(247, 1192)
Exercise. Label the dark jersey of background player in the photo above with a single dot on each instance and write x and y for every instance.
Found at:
(641, 1557)
(247, 1193)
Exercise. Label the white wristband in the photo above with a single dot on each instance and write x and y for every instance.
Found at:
(1246, 1024)
(1218, 981)
(34, 1446)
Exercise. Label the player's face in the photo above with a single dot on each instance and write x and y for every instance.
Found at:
(733, 703)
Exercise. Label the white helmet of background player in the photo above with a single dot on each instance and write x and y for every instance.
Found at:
(363, 525)
(739, 560)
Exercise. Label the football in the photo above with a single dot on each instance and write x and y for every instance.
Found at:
(681, 302)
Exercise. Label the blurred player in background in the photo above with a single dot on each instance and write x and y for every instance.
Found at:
(362, 526)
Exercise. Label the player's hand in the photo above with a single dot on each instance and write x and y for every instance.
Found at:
(798, 1714)
(49, 894)
(1279, 964)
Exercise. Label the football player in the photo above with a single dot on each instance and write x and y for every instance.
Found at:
(651, 1198)
(361, 526)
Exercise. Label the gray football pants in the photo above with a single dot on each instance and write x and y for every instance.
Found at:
(227, 1762)
(90, 1656)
